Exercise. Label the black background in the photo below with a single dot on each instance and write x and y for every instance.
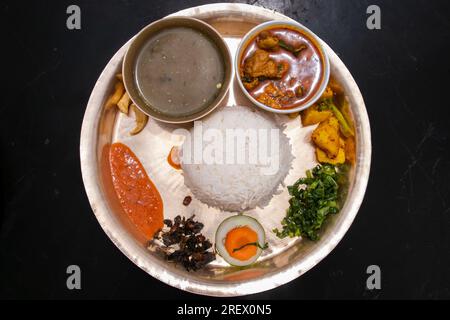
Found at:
(46, 221)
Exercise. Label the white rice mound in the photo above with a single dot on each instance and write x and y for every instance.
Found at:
(236, 187)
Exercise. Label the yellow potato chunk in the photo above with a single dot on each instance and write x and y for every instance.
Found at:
(312, 116)
(350, 150)
(326, 137)
(335, 87)
(334, 122)
(327, 94)
(323, 158)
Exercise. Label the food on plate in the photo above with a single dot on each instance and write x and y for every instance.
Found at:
(187, 200)
(179, 71)
(119, 77)
(294, 50)
(271, 96)
(326, 136)
(313, 199)
(248, 170)
(334, 136)
(293, 115)
(346, 129)
(141, 120)
(240, 240)
(138, 196)
(119, 90)
(259, 64)
(122, 100)
(174, 158)
(313, 115)
(322, 156)
(281, 68)
(124, 103)
(350, 149)
(181, 242)
(326, 103)
(266, 41)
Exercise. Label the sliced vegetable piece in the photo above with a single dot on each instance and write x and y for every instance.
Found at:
(313, 115)
(174, 158)
(295, 51)
(350, 150)
(124, 103)
(119, 90)
(336, 87)
(327, 94)
(326, 137)
(240, 240)
(346, 130)
(141, 120)
(323, 158)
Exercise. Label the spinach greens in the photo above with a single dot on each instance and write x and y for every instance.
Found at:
(312, 199)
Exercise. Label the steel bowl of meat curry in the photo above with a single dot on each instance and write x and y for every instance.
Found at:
(282, 67)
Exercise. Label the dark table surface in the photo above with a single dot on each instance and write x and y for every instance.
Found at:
(46, 221)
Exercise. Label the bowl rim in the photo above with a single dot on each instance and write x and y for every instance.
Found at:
(307, 32)
(129, 59)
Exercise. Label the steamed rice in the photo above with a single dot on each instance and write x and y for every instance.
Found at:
(236, 187)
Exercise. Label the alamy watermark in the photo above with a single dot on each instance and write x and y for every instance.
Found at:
(259, 147)
(374, 19)
(73, 281)
(374, 280)
(73, 21)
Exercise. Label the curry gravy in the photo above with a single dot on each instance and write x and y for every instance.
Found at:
(304, 70)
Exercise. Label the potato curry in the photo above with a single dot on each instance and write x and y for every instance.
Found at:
(334, 137)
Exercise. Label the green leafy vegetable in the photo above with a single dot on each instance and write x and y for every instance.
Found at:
(313, 199)
(256, 244)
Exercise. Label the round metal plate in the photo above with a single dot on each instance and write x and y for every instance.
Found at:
(287, 259)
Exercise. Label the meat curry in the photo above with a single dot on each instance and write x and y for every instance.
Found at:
(281, 68)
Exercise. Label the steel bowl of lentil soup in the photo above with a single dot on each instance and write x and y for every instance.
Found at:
(177, 69)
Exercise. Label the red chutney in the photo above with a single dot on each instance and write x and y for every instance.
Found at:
(137, 194)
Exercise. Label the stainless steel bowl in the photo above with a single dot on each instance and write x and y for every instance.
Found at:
(128, 69)
(288, 260)
(325, 62)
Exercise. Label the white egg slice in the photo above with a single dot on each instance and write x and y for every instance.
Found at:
(234, 222)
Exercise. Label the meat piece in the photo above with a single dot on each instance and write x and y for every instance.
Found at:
(267, 41)
(271, 96)
(272, 90)
(287, 96)
(251, 84)
(266, 99)
(261, 65)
